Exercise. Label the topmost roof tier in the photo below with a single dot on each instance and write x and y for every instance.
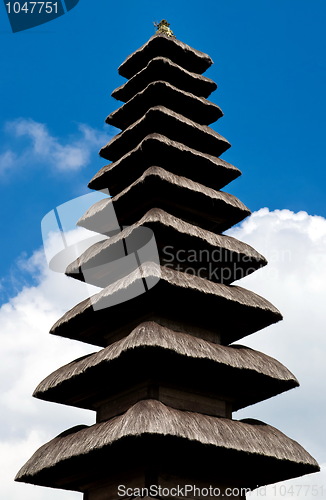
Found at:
(161, 45)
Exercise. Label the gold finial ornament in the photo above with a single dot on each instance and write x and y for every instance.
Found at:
(163, 27)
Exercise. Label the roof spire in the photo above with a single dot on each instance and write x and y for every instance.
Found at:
(163, 27)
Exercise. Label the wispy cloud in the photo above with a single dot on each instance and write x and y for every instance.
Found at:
(32, 143)
(7, 161)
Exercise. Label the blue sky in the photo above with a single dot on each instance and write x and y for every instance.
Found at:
(269, 64)
(56, 81)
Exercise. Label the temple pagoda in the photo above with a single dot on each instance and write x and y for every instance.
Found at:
(168, 378)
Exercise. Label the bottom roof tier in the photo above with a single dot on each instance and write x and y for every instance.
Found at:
(161, 439)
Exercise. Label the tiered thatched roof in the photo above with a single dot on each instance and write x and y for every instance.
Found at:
(172, 49)
(161, 93)
(228, 312)
(173, 156)
(224, 438)
(162, 68)
(162, 120)
(219, 257)
(166, 381)
(248, 376)
(156, 188)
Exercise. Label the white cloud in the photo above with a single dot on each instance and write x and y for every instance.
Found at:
(309, 487)
(29, 354)
(42, 147)
(13, 454)
(294, 281)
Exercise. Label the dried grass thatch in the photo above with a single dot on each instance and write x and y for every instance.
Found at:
(157, 188)
(173, 156)
(221, 251)
(171, 48)
(152, 418)
(161, 93)
(162, 120)
(161, 68)
(248, 376)
(231, 311)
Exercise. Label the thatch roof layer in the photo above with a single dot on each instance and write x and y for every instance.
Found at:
(158, 215)
(171, 48)
(162, 120)
(230, 253)
(173, 156)
(161, 68)
(152, 418)
(188, 200)
(231, 310)
(183, 280)
(186, 183)
(161, 93)
(67, 382)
